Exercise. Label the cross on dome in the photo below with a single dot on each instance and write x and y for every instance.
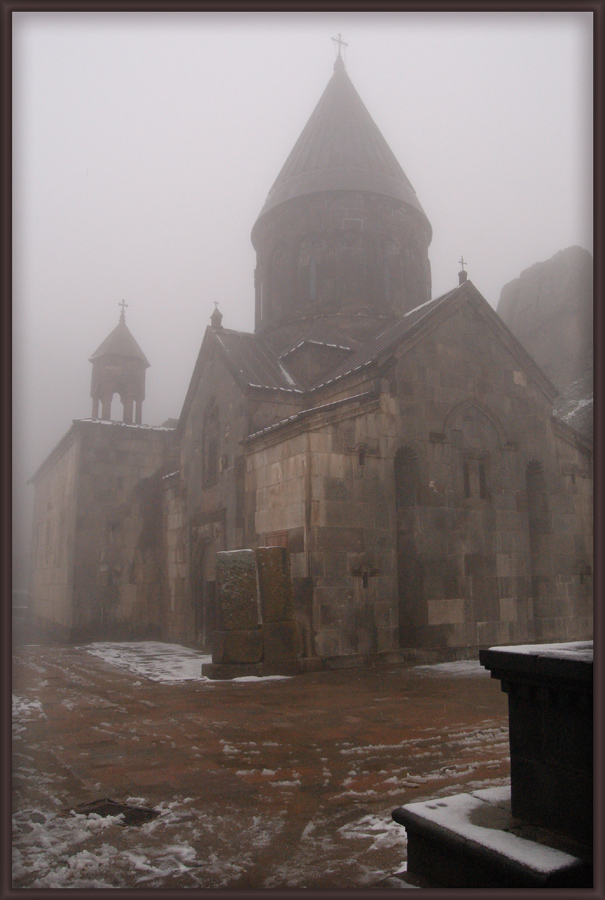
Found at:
(338, 40)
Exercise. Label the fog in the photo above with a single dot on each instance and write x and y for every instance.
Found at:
(145, 145)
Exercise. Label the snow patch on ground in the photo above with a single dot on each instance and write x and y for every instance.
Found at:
(381, 830)
(25, 711)
(463, 667)
(160, 662)
(157, 661)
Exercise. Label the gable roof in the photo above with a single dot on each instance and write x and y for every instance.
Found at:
(120, 342)
(417, 321)
(253, 363)
(388, 340)
(248, 358)
(341, 148)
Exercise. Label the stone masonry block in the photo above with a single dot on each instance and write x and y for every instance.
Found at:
(282, 640)
(237, 593)
(237, 646)
(274, 584)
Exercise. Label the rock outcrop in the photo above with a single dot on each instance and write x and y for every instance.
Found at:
(549, 308)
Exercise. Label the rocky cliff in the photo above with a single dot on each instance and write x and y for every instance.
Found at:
(549, 309)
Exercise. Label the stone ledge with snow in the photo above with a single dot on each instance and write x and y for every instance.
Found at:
(472, 840)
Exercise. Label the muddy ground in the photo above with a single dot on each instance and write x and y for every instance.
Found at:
(259, 784)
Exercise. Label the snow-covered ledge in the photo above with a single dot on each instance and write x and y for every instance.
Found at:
(550, 708)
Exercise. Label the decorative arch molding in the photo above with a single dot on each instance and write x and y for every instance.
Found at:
(408, 447)
(472, 403)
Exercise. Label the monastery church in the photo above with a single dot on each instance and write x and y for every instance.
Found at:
(402, 447)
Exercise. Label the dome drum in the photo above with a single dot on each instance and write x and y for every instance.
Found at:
(340, 253)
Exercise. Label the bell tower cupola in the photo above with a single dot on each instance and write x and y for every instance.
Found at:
(342, 240)
(118, 367)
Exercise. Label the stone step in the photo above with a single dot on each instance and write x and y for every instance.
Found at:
(472, 840)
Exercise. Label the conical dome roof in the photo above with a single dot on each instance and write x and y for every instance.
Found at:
(120, 343)
(341, 149)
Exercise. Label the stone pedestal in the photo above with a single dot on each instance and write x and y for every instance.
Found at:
(538, 832)
(550, 710)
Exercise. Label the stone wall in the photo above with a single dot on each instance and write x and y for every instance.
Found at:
(487, 524)
(53, 542)
(119, 578)
(112, 581)
(180, 614)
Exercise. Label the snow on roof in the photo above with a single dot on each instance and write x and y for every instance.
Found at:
(326, 407)
(127, 425)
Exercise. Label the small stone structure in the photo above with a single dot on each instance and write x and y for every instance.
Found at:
(550, 710)
(538, 832)
(256, 633)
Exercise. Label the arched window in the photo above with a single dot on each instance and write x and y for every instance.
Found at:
(537, 498)
(280, 277)
(387, 280)
(210, 443)
(407, 478)
(312, 279)
(310, 257)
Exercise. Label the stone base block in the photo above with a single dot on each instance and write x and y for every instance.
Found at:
(238, 646)
(288, 667)
(282, 641)
(473, 841)
(223, 672)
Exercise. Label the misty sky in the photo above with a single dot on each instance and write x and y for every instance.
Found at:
(145, 145)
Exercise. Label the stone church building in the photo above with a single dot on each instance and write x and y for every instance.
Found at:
(401, 446)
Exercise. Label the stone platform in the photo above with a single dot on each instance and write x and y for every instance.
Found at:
(472, 840)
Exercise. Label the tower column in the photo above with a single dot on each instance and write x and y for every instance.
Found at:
(138, 412)
(95, 408)
(128, 404)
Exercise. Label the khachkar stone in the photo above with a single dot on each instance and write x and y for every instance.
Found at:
(238, 638)
(281, 634)
(237, 591)
(257, 633)
(274, 584)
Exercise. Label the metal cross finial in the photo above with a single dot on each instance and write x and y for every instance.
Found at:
(338, 40)
(462, 262)
(123, 304)
(216, 304)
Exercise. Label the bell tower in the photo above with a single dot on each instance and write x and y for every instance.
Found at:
(118, 367)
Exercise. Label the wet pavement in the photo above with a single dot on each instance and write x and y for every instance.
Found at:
(259, 784)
